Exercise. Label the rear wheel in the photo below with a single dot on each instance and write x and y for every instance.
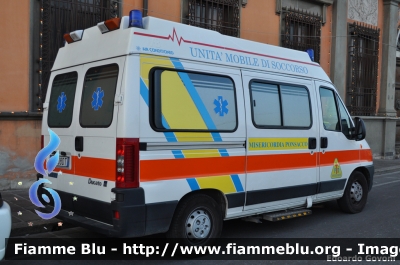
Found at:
(355, 195)
(197, 221)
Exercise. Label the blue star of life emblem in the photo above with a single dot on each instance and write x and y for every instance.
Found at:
(221, 104)
(97, 96)
(61, 102)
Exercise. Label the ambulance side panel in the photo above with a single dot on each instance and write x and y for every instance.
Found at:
(200, 141)
(282, 127)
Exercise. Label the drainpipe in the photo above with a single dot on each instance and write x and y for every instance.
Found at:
(145, 7)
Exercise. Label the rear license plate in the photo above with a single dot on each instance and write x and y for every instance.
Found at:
(63, 161)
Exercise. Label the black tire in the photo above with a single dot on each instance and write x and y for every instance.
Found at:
(355, 195)
(200, 212)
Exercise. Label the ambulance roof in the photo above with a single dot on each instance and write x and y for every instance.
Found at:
(172, 39)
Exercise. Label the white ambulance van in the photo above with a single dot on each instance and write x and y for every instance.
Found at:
(169, 128)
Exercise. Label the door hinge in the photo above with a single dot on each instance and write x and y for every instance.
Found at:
(119, 99)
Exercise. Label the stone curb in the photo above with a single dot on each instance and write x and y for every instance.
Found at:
(16, 184)
(41, 226)
(386, 169)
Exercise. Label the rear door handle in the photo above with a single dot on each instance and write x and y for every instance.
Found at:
(79, 143)
(312, 143)
(324, 142)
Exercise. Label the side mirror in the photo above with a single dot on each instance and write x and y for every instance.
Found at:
(360, 129)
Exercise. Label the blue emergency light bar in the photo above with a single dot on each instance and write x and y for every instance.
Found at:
(311, 54)
(135, 19)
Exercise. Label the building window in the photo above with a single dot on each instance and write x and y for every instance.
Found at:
(59, 17)
(218, 15)
(301, 31)
(362, 70)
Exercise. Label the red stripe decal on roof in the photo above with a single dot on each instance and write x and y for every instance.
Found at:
(181, 39)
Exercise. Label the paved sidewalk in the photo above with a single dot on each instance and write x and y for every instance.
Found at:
(26, 221)
(24, 218)
(384, 165)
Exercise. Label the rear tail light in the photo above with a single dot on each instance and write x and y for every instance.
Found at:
(109, 25)
(116, 214)
(127, 159)
(73, 36)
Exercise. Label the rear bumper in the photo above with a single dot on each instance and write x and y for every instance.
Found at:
(136, 218)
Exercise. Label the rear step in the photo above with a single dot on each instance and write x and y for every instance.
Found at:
(279, 216)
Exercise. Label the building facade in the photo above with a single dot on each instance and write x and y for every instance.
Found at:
(353, 40)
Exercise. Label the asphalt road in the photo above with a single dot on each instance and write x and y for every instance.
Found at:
(378, 220)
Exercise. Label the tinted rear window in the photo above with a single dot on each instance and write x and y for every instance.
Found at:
(98, 95)
(62, 99)
(190, 101)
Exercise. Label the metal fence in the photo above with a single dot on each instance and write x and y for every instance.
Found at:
(362, 69)
(218, 15)
(301, 31)
(58, 17)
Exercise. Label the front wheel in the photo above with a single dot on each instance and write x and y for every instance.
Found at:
(355, 195)
(197, 221)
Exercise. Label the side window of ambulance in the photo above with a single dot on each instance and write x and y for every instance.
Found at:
(187, 101)
(97, 105)
(266, 106)
(345, 120)
(329, 110)
(280, 106)
(62, 98)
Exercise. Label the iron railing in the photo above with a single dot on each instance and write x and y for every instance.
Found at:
(301, 31)
(62, 16)
(362, 69)
(218, 15)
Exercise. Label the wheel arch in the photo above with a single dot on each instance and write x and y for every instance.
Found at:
(216, 194)
(186, 210)
(368, 173)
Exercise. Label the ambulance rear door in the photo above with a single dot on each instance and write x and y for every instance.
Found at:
(95, 133)
(59, 115)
